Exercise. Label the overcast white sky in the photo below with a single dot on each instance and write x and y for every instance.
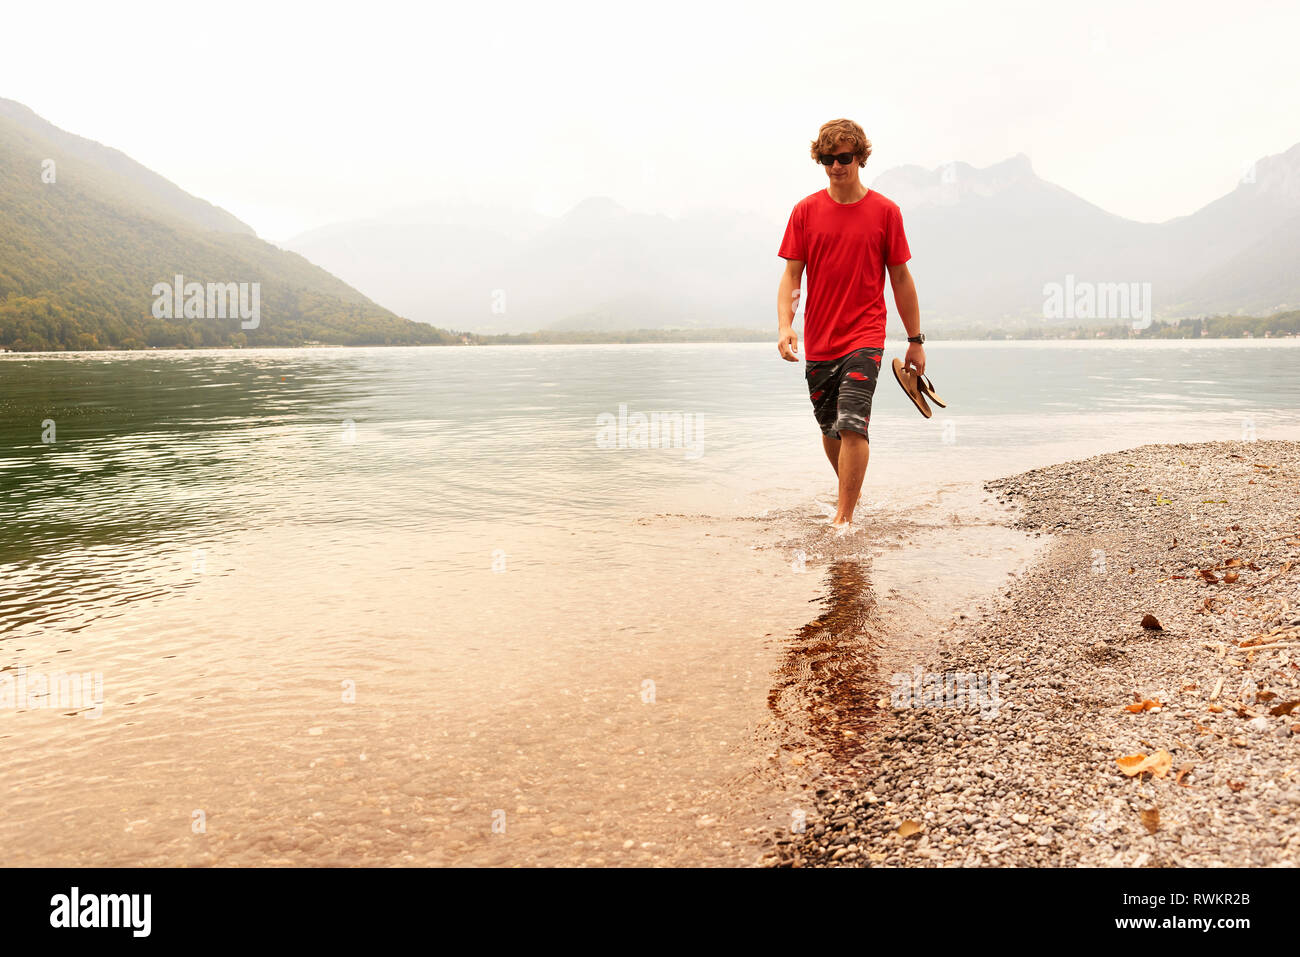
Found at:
(293, 115)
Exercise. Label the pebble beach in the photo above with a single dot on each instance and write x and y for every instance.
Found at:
(1144, 669)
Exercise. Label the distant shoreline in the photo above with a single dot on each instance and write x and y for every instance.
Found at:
(1279, 326)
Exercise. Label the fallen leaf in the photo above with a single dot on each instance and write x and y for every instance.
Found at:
(1264, 696)
(1208, 575)
(1236, 785)
(1234, 528)
(1146, 705)
(1157, 763)
(1151, 819)
(1285, 708)
(1185, 770)
(908, 828)
(1230, 577)
(1232, 563)
(1216, 709)
(1151, 623)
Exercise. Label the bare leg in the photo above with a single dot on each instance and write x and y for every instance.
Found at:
(851, 467)
(832, 447)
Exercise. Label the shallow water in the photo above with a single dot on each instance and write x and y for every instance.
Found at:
(400, 606)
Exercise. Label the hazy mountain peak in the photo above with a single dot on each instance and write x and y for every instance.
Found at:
(1277, 176)
(594, 209)
(915, 186)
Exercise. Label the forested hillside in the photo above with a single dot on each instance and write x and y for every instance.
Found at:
(86, 233)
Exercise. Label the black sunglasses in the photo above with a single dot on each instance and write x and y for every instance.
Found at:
(844, 159)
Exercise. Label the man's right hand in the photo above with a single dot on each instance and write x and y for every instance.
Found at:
(788, 344)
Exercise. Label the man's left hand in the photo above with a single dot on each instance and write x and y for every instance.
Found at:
(915, 357)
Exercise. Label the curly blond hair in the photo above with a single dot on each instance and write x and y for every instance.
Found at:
(841, 129)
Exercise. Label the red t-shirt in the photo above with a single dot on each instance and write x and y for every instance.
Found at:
(845, 247)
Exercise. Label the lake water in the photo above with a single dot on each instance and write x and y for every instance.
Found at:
(408, 606)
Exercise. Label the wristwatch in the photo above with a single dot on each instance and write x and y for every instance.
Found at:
(918, 338)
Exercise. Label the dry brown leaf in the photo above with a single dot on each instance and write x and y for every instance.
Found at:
(1231, 577)
(908, 828)
(1151, 819)
(1285, 707)
(1157, 763)
(1185, 770)
(1236, 785)
(1216, 709)
(1208, 575)
(1129, 763)
(1151, 623)
(1232, 563)
(1145, 705)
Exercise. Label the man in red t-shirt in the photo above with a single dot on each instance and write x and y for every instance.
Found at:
(848, 236)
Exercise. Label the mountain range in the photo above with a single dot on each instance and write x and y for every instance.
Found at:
(87, 235)
(985, 242)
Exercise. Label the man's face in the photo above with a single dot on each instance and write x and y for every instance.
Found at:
(837, 173)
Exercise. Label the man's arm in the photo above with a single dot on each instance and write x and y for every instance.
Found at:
(787, 300)
(909, 310)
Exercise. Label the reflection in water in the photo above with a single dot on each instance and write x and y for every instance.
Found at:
(827, 683)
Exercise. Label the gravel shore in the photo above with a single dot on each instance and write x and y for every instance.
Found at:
(1106, 742)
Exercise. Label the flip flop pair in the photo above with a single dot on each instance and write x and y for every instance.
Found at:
(918, 388)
